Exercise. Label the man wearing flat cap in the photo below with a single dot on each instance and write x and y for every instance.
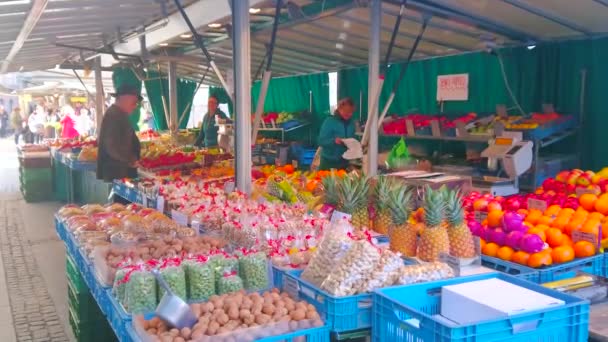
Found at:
(119, 147)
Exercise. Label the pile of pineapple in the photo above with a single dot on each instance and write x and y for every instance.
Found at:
(443, 229)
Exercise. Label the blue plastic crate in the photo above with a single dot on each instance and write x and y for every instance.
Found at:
(511, 268)
(116, 314)
(277, 275)
(405, 313)
(340, 313)
(592, 265)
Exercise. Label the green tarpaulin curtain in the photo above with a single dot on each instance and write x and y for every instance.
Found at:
(122, 76)
(157, 86)
(550, 73)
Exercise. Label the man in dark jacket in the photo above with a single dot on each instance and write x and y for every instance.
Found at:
(119, 147)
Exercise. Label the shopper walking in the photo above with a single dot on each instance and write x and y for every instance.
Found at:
(36, 124)
(335, 128)
(17, 123)
(119, 147)
(67, 123)
(3, 122)
(207, 137)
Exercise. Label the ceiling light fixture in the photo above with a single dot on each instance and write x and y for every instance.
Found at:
(163, 44)
(185, 35)
(254, 10)
(215, 25)
(531, 47)
(15, 2)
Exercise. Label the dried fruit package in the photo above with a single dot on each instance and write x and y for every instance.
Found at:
(200, 278)
(385, 273)
(334, 246)
(173, 273)
(425, 272)
(253, 267)
(229, 282)
(353, 271)
(140, 290)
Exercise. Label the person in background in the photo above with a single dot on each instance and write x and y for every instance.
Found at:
(119, 147)
(3, 122)
(35, 123)
(67, 123)
(17, 123)
(335, 128)
(207, 137)
(149, 121)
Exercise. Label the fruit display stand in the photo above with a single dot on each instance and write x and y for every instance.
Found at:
(75, 181)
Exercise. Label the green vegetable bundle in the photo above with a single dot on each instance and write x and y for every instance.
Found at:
(253, 268)
(229, 282)
(200, 279)
(174, 275)
(140, 291)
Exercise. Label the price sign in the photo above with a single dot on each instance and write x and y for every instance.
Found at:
(581, 191)
(480, 216)
(596, 240)
(451, 261)
(534, 203)
(453, 87)
(229, 187)
(338, 215)
(160, 204)
(294, 163)
(197, 227)
(180, 218)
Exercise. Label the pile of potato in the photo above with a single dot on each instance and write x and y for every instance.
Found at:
(238, 316)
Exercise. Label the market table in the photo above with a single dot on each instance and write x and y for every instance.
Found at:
(75, 181)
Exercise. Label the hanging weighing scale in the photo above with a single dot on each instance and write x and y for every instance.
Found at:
(514, 155)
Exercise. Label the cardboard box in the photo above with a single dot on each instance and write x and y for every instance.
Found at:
(491, 299)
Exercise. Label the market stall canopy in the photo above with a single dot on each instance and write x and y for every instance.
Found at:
(313, 36)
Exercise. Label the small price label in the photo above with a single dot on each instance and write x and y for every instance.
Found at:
(577, 235)
(179, 217)
(534, 203)
(480, 216)
(294, 163)
(229, 187)
(452, 261)
(197, 227)
(581, 191)
(338, 215)
(160, 204)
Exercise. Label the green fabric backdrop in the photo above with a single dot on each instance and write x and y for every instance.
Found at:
(156, 87)
(550, 73)
(122, 76)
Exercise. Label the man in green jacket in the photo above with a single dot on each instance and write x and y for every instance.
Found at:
(207, 137)
(335, 128)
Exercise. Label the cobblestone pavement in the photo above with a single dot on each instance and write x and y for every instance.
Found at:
(34, 314)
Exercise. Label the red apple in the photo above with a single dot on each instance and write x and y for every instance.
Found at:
(480, 204)
(494, 205)
(584, 180)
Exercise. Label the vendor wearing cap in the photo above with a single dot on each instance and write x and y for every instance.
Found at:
(335, 128)
(207, 137)
(119, 147)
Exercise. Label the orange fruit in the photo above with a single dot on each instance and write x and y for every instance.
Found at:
(520, 257)
(580, 212)
(553, 210)
(494, 206)
(505, 253)
(533, 216)
(595, 216)
(490, 249)
(554, 237)
(583, 249)
(560, 222)
(566, 240)
(482, 243)
(601, 205)
(603, 196)
(540, 259)
(542, 226)
(587, 201)
(547, 220)
(495, 218)
(562, 254)
(480, 204)
(591, 227)
(566, 212)
(539, 232)
(604, 227)
(574, 224)
(522, 212)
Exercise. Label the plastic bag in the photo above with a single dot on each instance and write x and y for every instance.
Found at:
(200, 279)
(385, 273)
(399, 155)
(353, 271)
(229, 282)
(253, 268)
(174, 275)
(423, 273)
(140, 291)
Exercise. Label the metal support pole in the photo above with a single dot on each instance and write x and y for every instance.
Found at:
(99, 96)
(172, 66)
(242, 88)
(375, 14)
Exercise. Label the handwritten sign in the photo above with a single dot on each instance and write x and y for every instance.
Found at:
(338, 215)
(160, 204)
(453, 87)
(581, 191)
(179, 217)
(480, 216)
(229, 187)
(595, 239)
(534, 203)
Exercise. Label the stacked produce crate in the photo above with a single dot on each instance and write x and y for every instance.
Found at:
(87, 321)
(35, 173)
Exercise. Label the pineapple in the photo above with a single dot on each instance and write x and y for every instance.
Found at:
(382, 221)
(353, 198)
(402, 234)
(434, 239)
(272, 186)
(330, 187)
(461, 239)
